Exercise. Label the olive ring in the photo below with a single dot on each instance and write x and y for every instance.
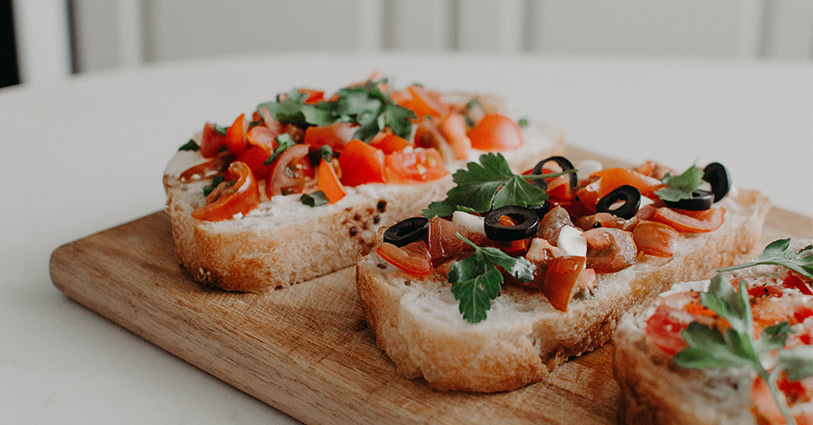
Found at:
(527, 224)
(717, 175)
(407, 231)
(632, 201)
(562, 162)
(700, 200)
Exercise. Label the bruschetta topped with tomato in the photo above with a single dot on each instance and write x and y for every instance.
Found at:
(307, 157)
(539, 266)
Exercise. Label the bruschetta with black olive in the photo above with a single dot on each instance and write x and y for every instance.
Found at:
(292, 190)
(512, 274)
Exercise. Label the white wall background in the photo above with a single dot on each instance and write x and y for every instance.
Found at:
(115, 33)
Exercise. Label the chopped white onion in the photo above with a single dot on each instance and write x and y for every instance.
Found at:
(572, 241)
(469, 221)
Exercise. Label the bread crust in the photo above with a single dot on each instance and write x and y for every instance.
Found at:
(417, 323)
(261, 251)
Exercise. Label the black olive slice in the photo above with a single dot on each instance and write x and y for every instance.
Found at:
(717, 175)
(700, 200)
(526, 219)
(540, 209)
(406, 231)
(632, 201)
(563, 162)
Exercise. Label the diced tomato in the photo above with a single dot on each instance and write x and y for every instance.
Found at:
(663, 330)
(335, 135)
(495, 133)
(654, 238)
(574, 207)
(697, 309)
(255, 158)
(423, 104)
(513, 248)
(361, 163)
(691, 222)
(613, 178)
(589, 195)
(559, 188)
(262, 136)
(329, 183)
(412, 258)
(240, 198)
(453, 128)
(416, 166)
(236, 135)
(646, 212)
(794, 281)
(211, 141)
(314, 96)
(208, 168)
(560, 278)
(795, 392)
(289, 172)
(389, 143)
(401, 97)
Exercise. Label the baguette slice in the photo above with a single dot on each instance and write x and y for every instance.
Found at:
(657, 391)
(418, 324)
(283, 242)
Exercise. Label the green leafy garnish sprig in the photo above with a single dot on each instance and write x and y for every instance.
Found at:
(189, 146)
(780, 253)
(708, 348)
(681, 187)
(488, 185)
(476, 281)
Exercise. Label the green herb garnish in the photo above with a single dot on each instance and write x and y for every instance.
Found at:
(314, 199)
(284, 141)
(220, 129)
(189, 146)
(326, 152)
(780, 253)
(523, 122)
(474, 103)
(681, 187)
(487, 185)
(739, 348)
(476, 280)
(216, 180)
(292, 109)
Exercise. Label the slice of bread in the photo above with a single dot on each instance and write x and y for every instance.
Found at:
(283, 242)
(417, 322)
(654, 390)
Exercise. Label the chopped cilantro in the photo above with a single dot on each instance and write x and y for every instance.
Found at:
(216, 180)
(189, 146)
(284, 141)
(326, 152)
(474, 103)
(522, 122)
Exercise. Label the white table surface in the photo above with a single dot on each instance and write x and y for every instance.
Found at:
(87, 154)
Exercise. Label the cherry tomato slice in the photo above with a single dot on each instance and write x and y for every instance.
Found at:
(236, 136)
(560, 278)
(211, 141)
(412, 258)
(453, 128)
(335, 135)
(701, 222)
(654, 238)
(389, 143)
(423, 104)
(794, 281)
(255, 158)
(242, 197)
(329, 183)
(262, 136)
(289, 172)
(663, 330)
(361, 163)
(416, 166)
(495, 133)
(559, 188)
(613, 178)
(208, 168)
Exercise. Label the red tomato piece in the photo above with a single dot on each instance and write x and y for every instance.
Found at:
(208, 168)
(416, 166)
(255, 158)
(335, 135)
(262, 136)
(361, 163)
(236, 135)
(211, 141)
(794, 281)
(559, 188)
(314, 96)
(329, 183)
(495, 133)
(453, 128)
(389, 143)
(412, 258)
(289, 172)
(694, 222)
(663, 330)
(655, 238)
(239, 198)
(423, 104)
(613, 178)
(560, 278)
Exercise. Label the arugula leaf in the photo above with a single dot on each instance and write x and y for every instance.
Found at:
(326, 152)
(284, 141)
(780, 253)
(189, 146)
(523, 122)
(220, 129)
(216, 180)
(314, 199)
(476, 280)
(478, 185)
(682, 186)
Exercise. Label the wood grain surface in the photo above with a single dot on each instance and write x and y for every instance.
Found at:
(306, 350)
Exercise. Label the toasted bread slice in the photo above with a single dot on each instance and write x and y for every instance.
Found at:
(417, 322)
(283, 242)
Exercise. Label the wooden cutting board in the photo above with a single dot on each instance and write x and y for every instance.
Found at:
(306, 350)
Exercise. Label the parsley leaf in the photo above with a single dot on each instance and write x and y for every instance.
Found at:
(476, 280)
(189, 146)
(315, 199)
(326, 152)
(284, 141)
(780, 253)
(216, 180)
(478, 188)
(682, 186)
